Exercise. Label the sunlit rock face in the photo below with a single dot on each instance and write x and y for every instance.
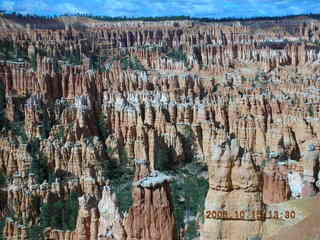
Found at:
(235, 187)
(110, 222)
(276, 184)
(151, 216)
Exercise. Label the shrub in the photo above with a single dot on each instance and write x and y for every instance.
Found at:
(192, 231)
(163, 156)
(61, 214)
(39, 163)
(11, 51)
(310, 110)
(188, 140)
(2, 225)
(18, 129)
(60, 133)
(177, 55)
(254, 238)
(35, 232)
(3, 178)
(101, 124)
(47, 124)
(121, 181)
(96, 63)
(33, 62)
(193, 190)
(131, 63)
(120, 177)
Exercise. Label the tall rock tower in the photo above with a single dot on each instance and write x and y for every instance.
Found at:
(233, 207)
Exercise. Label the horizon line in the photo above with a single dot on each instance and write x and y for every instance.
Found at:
(183, 17)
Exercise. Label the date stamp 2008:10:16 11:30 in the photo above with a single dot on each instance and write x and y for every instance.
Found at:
(254, 214)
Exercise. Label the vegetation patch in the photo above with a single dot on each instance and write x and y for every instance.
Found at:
(61, 214)
(11, 52)
(177, 55)
(188, 194)
(39, 164)
(131, 63)
(120, 177)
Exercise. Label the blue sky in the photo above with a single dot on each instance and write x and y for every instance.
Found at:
(137, 8)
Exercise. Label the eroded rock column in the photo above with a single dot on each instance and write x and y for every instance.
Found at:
(233, 205)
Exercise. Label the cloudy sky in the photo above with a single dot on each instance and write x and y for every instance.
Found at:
(137, 8)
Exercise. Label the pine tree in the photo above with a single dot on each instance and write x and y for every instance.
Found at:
(61, 214)
(45, 215)
(56, 218)
(2, 224)
(2, 178)
(39, 166)
(35, 233)
(72, 208)
(46, 123)
(2, 105)
(33, 61)
(102, 126)
(163, 158)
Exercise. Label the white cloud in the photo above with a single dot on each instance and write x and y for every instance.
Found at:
(121, 8)
(69, 8)
(7, 5)
(195, 8)
(296, 10)
(282, 2)
(33, 6)
(158, 7)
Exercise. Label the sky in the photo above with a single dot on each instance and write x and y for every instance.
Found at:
(139, 8)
